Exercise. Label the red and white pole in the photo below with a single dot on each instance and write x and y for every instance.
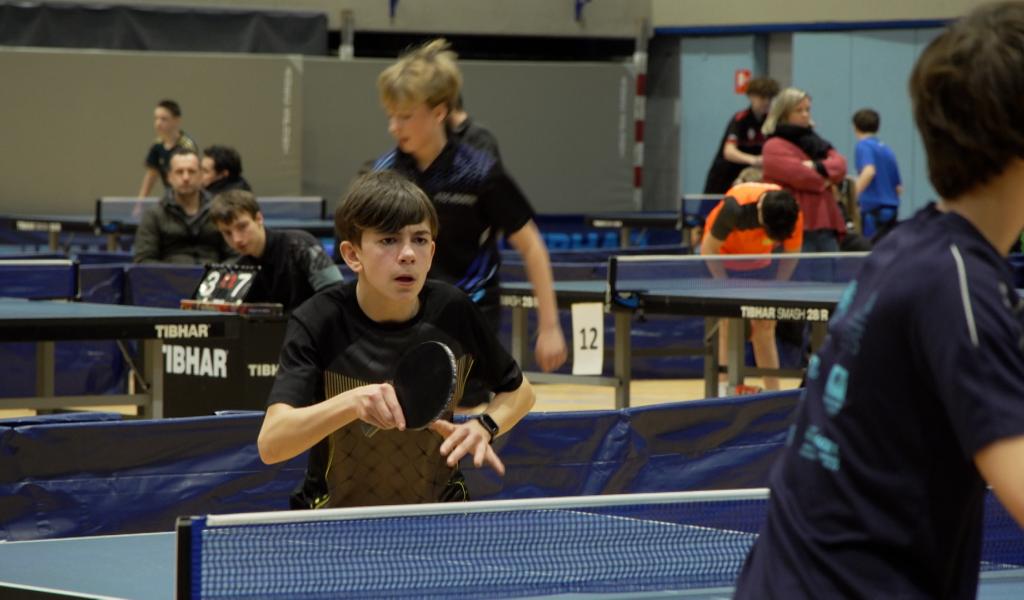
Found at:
(639, 113)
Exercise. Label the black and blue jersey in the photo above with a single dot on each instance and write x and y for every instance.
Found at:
(877, 494)
(476, 201)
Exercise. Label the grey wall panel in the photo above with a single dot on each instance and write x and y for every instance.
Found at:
(609, 18)
(344, 125)
(78, 124)
(565, 130)
(661, 135)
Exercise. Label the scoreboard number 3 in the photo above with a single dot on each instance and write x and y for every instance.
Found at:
(226, 283)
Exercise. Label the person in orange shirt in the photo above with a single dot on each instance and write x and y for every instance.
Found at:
(754, 218)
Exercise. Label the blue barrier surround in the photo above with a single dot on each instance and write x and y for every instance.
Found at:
(100, 477)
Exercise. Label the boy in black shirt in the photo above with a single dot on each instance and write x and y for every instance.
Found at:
(742, 141)
(342, 344)
(475, 198)
(914, 402)
(293, 264)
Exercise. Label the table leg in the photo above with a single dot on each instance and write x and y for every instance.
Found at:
(520, 335)
(623, 357)
(818, 332)
(46, 367)
(153, 361)
(735, 352)
(711, 335)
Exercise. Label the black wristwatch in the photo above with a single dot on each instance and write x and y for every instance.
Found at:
(489, 424)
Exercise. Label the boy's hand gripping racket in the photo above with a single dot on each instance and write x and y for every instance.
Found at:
(424, 382)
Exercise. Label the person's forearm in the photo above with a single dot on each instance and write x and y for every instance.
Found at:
(791, 172)
(786, 268)
(835, 165)
(538, 270)
(147, 182)
(508, 408)
(288, 432)
(999, 464)
(864, 179)
(146, 247)
(712, 246)
(734, 154)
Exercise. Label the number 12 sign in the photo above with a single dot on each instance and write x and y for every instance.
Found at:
(587, 338)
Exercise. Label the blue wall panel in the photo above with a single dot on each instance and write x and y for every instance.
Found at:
(846, 71)
(708, 67)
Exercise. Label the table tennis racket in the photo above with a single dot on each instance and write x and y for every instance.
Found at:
(424, 381)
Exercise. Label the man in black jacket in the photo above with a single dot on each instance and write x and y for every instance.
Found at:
(178, 229)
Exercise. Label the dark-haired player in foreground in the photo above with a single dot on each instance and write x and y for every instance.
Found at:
(914, 402)
(342, 344)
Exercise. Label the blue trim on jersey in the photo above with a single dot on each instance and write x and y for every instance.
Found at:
(386, 162)
(480, 282)
(480, 271)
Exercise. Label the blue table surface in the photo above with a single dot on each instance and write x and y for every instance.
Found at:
(142, 566)
(725, 289)
(14, 310)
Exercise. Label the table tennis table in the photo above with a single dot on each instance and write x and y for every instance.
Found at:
(735, 300)
(690, 214)
(116, 216)
(46, 322)
(650, 554)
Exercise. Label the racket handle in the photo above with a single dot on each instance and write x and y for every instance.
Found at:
(369, 430)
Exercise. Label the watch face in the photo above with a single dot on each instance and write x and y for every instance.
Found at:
(488, 423)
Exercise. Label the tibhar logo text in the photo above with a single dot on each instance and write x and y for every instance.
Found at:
(171, 332)
(262, 369)
(201, 362)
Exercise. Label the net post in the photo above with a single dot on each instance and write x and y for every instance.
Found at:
(183, 579)
(610, 293)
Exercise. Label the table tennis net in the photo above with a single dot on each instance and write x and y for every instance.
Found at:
(595, 544)
(736, 270)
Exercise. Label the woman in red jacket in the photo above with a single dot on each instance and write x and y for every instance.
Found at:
(806, 165)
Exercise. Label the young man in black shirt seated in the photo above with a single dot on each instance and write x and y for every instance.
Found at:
(293, 264)
(341, 345)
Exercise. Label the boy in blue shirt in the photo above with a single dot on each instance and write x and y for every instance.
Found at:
(878, 177)
(913, 404)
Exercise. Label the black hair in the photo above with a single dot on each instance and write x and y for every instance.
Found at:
(382, 201)
(779, 212)
(171, 106)
(225, 158)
